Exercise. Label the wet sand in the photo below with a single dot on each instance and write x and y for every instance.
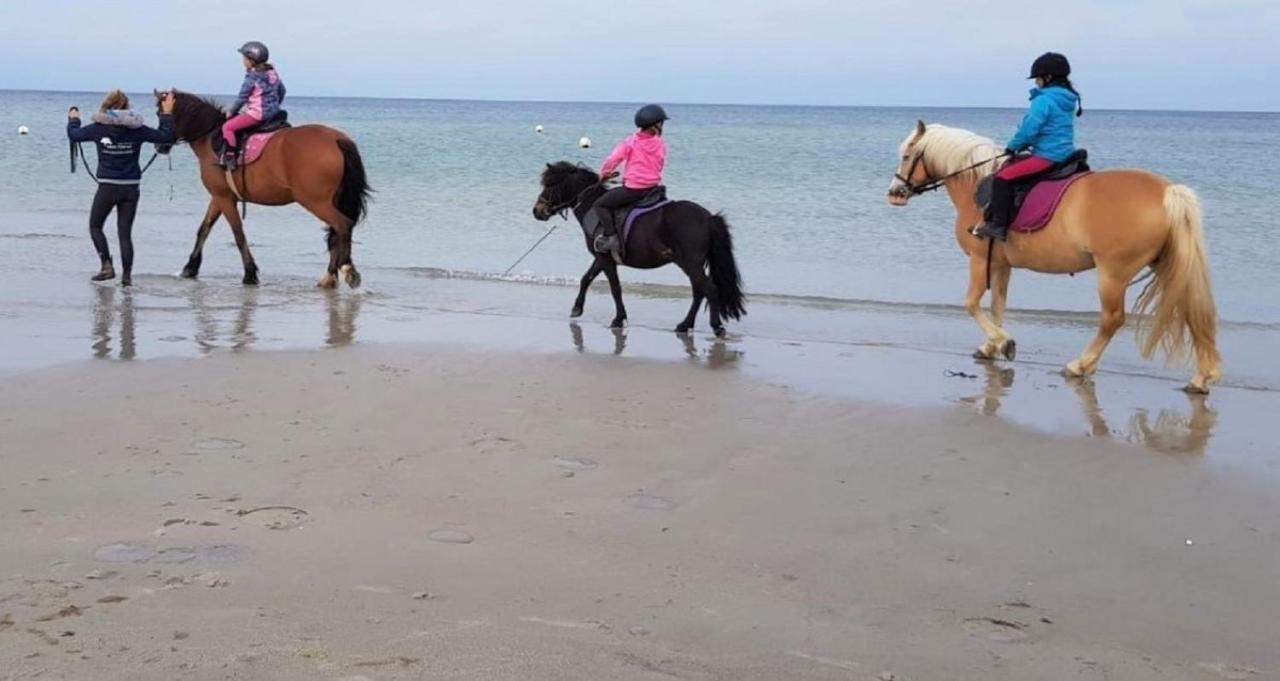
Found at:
(459, 512)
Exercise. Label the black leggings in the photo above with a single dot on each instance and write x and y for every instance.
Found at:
(616, 198)
(124, 199)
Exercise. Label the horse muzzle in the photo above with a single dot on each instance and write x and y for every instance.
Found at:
(540, 212)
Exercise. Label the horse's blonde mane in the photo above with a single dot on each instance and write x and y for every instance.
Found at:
(950, 150)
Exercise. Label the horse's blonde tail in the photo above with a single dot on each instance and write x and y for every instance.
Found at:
(1176, 309)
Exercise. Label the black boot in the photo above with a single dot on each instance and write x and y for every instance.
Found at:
(107, 272)
(999, 213)
(228, 159)
(606, 241)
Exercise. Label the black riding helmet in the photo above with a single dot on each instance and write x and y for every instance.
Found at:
(255, 51)
(650, 115)
(1050, 64)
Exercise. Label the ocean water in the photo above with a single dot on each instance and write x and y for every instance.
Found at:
(803, 187)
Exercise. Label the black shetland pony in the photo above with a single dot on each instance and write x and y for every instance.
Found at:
(682, 232)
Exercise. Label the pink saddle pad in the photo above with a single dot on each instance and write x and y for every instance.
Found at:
(1038, 208)
(255, 145)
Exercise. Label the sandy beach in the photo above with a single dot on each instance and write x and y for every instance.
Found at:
(393, 511)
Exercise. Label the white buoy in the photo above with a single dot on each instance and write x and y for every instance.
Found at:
(24, 130)
(585, 142)
(538, 129)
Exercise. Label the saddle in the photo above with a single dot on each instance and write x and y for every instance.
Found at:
(625, 216)
(1036, 199)
(272, 125)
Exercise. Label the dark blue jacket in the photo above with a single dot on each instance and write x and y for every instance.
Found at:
(119, 147)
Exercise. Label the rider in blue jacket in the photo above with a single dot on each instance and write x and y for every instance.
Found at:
(1048, 131)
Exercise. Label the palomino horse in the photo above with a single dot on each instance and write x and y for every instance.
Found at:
(682, 232)
(1119, 221)
(313, 165)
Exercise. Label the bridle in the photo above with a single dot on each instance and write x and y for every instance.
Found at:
(909, 188)
(563, 207)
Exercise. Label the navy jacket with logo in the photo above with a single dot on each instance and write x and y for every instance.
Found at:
(119, 147)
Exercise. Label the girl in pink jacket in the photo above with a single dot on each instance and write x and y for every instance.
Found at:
(644, 154)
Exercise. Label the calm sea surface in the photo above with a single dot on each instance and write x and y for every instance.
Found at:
(802, 186)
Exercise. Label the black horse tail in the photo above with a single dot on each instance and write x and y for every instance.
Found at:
(724, 270)
(352, 199)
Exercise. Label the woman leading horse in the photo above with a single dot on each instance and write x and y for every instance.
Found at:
(313, 165)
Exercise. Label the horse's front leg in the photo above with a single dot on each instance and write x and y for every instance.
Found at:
(192, 269)
(590, 276)
(999, 301)
(242, 243)
(973, 304)
(615, 287)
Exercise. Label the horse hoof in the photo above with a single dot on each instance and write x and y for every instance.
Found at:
(1194, 388)
(188, 273)
(1073, 370)
(575, 312)
(719, 331)
(618, 323)
(353, 278)
(683, 328)
(1009, 349)
(327, 281)
(250, 280)
(982, 354)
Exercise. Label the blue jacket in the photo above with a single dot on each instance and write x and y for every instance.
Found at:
(119, 146)
(1049, 128)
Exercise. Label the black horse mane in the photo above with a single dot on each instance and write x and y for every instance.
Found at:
(195, 116)
(563, 181)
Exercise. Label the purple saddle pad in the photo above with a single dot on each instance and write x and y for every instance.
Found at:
(1038, 208)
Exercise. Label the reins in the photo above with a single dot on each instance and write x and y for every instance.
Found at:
(932, 184)
(561, 210)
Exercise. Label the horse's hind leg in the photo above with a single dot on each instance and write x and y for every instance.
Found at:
(192, 269)
(973, 304)
(1111, 290)
(615, 288)
(339, 242)
(699, 282)
(237, 229)
(592, 272)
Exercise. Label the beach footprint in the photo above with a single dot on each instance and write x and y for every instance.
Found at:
(1006, 631)
(649, 502)
(275, 517)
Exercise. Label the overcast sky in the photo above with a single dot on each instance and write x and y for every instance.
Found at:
(1151, 54)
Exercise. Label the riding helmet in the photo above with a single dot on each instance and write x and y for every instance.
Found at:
(1050, 64)
(255, 51)
(649, 115)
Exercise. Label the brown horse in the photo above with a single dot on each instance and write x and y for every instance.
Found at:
(313, 165)
(1119, 221)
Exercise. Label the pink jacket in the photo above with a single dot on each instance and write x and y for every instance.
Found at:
(644, 154)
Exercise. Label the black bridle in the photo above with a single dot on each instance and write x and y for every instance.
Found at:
(909, 188)
(563, 207)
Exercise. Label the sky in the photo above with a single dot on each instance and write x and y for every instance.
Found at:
(1127, 54)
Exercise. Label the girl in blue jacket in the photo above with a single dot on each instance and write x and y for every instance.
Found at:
(1048, 131)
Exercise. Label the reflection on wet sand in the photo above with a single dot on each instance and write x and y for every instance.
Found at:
(104, 314)
(580, 344)
(1171, 431)
(202, 300)
(342, 313)
(718, 355)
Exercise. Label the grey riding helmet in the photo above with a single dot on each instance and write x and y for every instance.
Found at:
(649, 115)
(255, 51)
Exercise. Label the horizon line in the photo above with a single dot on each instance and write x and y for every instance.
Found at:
(678, 103)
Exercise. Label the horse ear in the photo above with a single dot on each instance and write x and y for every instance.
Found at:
(549, 166)
(920, 127)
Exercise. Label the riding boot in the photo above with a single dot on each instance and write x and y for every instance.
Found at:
(228, 160)
(107, 273)
(999, 213)
(606, 240)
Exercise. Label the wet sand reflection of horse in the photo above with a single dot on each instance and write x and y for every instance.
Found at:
(1170, 432)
